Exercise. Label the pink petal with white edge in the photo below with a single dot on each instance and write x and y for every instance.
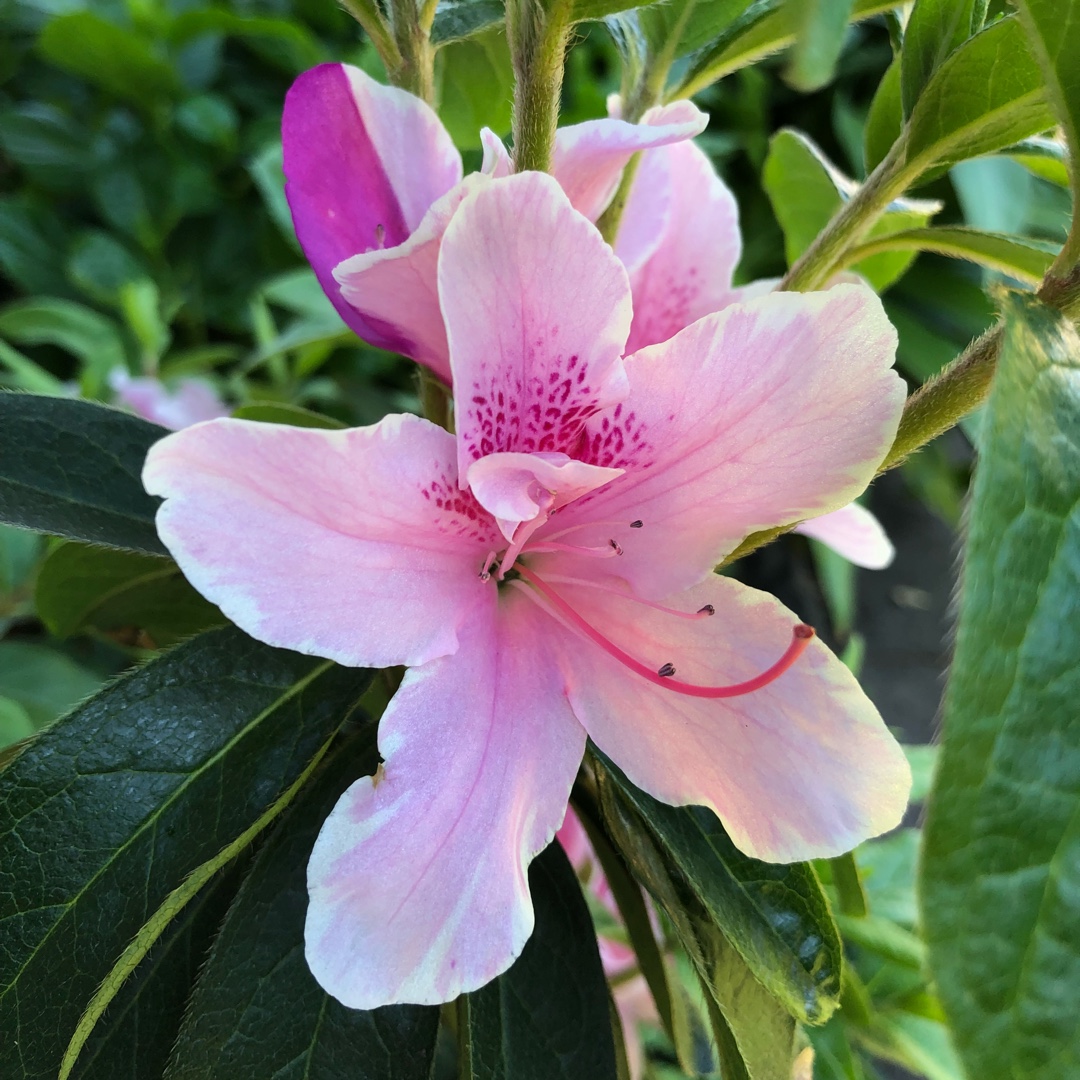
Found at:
(363, 163)
(688, 275)
(354, 545)
(496, 162)
(589, 157)
(852, 531)
(803, 768)
(764, 414)
(396, 289)
(537, 309)
(516, 488)
(419, 881)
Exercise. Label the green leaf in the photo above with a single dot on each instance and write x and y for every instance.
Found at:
(1045, 158)
(15, 722)
(265, 168)
(766, 27)
(111, 57)
(1053, 28)
(987, 94)
(776, 917)
(806, 190)
(236, 1024)
(132, 1041)
(24, 374)
(888, 869)
(477, 87)
(286, 44)
(42, 680)
(72, 468)
(885, 121)
(699, 27)
(277, 412)
(819, 37)
(923, 761)
(934, 30)
(81, 587)
(1000, 886)
(457, 19)
(144, 783)
(547, 1017)
(1019, 256)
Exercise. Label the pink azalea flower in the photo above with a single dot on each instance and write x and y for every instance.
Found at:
(547, 575)
(679, 240)
(373, 179)
(188, 401)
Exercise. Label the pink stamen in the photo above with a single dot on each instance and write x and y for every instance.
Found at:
(612, 549)
(702, 613)
(593, 525)
(801, 636)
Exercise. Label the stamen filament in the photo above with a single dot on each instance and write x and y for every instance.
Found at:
(801, 635)
(610, 550)
(593, 525)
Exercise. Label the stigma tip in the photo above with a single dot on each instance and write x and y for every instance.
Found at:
(803, 632)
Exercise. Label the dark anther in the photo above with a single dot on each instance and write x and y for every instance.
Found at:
(708, 609)
(636, 524)
(615, 547)
(666, 671)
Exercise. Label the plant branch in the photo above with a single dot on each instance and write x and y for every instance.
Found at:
(370, 18)
(416, 71)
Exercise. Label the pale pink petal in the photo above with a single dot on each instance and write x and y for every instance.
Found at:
(189, 401)
(363, 163)
(355, 545)
(516, 488)
(589, 157)
(764, 414)
(575, 841)
(689, 272)
(803, 768)
(496, 162)
(635, 1003)
(396, 289)
(537, 308)
(853, 532)
(647, 216)
(418, 881)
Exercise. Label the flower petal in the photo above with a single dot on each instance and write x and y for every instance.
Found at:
(802, 768)
(496, 162)
(589, 157)
(537, 308)
(189, 402)
(764, 414)
(354, 545)
(688, 275)
(853, 532)
(647, 215)
(363, 162)
(418, 881)
(396, 289)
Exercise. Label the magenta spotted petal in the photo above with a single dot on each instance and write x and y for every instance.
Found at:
(547, 573)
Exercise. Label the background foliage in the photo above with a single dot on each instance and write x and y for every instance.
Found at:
(143, 226)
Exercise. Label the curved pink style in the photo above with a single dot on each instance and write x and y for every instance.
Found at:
(613, 483)
(373, 179)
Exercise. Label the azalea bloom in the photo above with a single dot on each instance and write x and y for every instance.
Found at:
(373, 178)
(547, 575)
(187, 401)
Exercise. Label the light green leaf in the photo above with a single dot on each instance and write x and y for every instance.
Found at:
(457, 19)
(1000, 885)
(819, 37)
(885, 120)
(1021, 257)
(476, 81)
(987, 94)
(44, 681)
(274, 412)
(1045, 158)
(15, 722)
(934, 29)
(119, 592)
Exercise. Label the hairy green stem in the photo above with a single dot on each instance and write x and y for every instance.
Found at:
(851, 222)
(416, 72)
(608, 222)
(538, 33)
(370, 18)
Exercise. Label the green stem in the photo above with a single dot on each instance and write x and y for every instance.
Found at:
(416, 72)
(370, 18)
(853, 220)
(608, 222)
(435, 398)
(538, 34)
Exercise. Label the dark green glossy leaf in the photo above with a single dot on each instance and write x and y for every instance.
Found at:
(934, 29)
(107, 812)
(987, 94)
(455, 19)
(121, 593)
(134, 1038)
(776, 917)
(547, 1017)
(1000, 887)
(115, 59)
(72, 468)
(257, 1011)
